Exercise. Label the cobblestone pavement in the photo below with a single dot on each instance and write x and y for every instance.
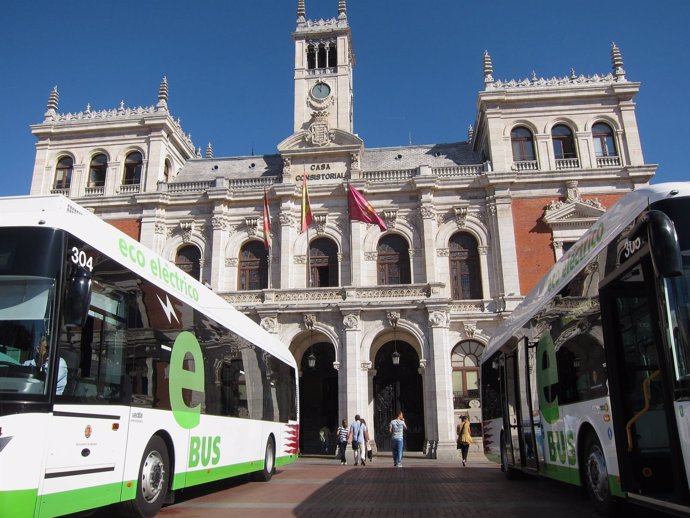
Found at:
(319, 487)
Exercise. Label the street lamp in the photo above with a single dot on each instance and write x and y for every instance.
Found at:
(393, 319)
(311, 360)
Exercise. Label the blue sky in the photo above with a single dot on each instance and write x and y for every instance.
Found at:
(229, 65)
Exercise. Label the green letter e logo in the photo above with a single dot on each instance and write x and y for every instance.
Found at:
(186, 348)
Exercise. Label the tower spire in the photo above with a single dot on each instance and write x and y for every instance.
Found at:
(342, 9)
(301, 11)
(617, 62)
(163, 93)
(488, 71)
(51, 108)
(209, 151)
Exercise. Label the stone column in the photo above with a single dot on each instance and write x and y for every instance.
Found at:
(352, 380)
(440, 388)
(286, 266)
(430, 227)
(219, 225)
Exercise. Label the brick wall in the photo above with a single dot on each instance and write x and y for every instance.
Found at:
(535, 254)
(131, 227)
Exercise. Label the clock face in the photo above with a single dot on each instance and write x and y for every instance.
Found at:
(321, 90)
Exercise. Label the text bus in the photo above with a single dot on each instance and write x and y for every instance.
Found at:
(588, 380)
(123, 379)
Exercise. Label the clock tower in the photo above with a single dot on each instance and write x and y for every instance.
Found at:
(323, 74)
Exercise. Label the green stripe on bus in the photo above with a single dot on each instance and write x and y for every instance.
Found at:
(19, 503)
(288, 459)
(572, 476)
(211, 474)
(22, 503)
(56, 504)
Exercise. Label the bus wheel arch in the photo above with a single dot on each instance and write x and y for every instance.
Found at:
(594, 475)
(153, 482)
(269, 465)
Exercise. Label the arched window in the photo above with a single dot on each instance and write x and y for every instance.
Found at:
(563, 142)
(133, 165)
(311, 57)
(323, 263)
(253, 267)
(523, 144)
(63, 173)
(604, 145)
(166, 171)
(332, 56)
(465, 274)
(393, 261)
(321, 55)
(97, 170)
(189, 261)
(465, 363)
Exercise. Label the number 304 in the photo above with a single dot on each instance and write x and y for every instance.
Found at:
(79, 257)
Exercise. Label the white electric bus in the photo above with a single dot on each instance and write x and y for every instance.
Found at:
(123, 379)
(588, 380)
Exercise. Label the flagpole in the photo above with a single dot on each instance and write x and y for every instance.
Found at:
(309, 279)
(352, 255)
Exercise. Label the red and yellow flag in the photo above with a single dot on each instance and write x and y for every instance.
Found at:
(307, 216)
(361, 210)
(267, 224)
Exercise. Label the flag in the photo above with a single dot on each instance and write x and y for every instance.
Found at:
(360, 209)
(267, 224)
(307, 216)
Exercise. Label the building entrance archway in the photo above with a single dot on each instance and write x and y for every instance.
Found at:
(318, 400)
(396, 388)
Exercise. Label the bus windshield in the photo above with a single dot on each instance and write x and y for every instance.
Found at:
(25, 305)
(30, 260)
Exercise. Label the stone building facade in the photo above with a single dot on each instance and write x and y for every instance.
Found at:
(471, 225)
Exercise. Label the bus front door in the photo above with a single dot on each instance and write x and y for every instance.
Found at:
(520, 385)
(647, 443)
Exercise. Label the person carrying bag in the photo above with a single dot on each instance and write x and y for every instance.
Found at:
(464, 438)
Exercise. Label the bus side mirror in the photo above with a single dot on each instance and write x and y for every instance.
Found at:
(77, 298)
(663, 242)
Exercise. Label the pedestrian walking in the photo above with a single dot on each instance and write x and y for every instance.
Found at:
(367, 443)
(396, 427)
(464, 438)
(356, 437)
(341, 436)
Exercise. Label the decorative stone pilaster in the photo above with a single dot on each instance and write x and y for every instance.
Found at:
(353, 382)
(439, 387)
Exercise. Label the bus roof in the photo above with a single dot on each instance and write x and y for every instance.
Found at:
(606, 228)
(57, 211)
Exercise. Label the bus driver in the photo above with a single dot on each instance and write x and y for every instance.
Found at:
(41, 356)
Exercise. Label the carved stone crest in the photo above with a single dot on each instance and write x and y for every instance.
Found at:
(351, 321)
(438, 319)
(470, 328)
(319, 133)
(269, 324)
(309, 320)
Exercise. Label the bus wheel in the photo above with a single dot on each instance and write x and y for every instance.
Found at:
(152, 486)
(596, 476)
(269, 462)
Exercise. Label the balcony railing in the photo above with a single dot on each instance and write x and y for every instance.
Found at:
(64, 192)
(526, 165)
(94, 191)
(129, 188)
(392, 175)
(567, 163)
(462, 399)
(608, 161)
(461, 170)
(369, 295)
